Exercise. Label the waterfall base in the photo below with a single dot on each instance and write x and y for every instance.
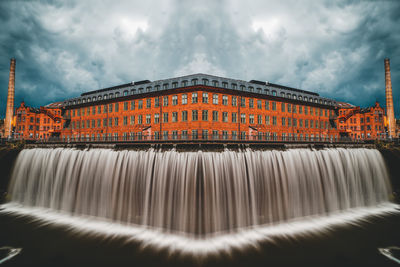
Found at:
(213, 244)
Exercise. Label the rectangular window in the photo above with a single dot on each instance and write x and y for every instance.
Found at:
(300, 109)
(205, 97)
(174, 116)
(283, 107)
(215, 99)
(306, 123)
(301, 123)
(116, 107)
(224, 116)
(234, 101)
(294, 109)
(140, 104)
(195, 135)
(104, 122)
(311, 111)
(215, 134)
(289, 122)
(204, 134)
(204, 115)
(184, 115)
(311, 124)
(94, 110)
(289, 108)
(251, 103)
(215, 115)
(259, 104)
(184, 134)
(157, 118)
(267, 120)
(242, 118)
(224, 100)
(116, 121)
(98, 122)
(283, 121)
(165, 117)
(148, 118)
(132, 104)
(274, 120)
(148, 103)
(251, 118)
(294, 122)
(266, 104)
(306, 110)
(165, 135)
(274, 106)
(184, 99)
(195, 115)
(243, 102)
(125, 120)
(140, 119)
(234, 117)
(132, 119)
(234, 135)
(110, 108)
(88, 111)
(125, 106)
(105, 109)
(194, 98)
(174, 100)
(156, 102)
(110, 121)
(259, 119)
(165, 101)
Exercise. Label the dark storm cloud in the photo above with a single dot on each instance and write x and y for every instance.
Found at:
(334, 48)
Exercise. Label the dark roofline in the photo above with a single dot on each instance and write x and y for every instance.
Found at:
(106, 89)
(292, 89)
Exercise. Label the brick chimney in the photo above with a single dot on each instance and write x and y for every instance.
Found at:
(389, 101)
(10, 100)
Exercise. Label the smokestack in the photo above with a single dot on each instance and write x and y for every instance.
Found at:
(389, 100)
(10, 100)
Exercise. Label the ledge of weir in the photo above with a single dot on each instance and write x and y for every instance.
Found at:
(200, 146)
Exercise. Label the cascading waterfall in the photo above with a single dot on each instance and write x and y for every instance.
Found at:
(198, 194)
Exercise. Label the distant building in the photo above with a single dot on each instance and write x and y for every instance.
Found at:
(361, 123)
(38, 123)
(200, 106)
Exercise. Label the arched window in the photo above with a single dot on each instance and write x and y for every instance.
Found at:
(105, 97)
(288, 95)
(117, 94)
(99, 97)
(205, 82)
(282, 94)
(194, 82)
(111, 95)
(125, 92)
(83, 100)
(305, 98)
(294, 96)
(273, 92)
(300, 97)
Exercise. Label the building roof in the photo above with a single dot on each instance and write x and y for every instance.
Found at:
(345, 105)
(146, 86)
(54, 105)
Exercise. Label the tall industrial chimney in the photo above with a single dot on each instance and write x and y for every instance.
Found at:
(389, 100)
(10, 100)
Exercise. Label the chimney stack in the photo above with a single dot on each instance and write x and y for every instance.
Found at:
(10, 101)
(389, 100)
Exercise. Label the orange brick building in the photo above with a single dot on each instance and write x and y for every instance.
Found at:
(38, 123)
(361, 123)
(199, 107)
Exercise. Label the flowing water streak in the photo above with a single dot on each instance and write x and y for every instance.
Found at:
(200, 194)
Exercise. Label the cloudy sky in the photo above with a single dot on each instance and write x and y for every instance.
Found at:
(64, 48)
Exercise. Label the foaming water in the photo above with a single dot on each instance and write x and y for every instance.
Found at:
(199, 202)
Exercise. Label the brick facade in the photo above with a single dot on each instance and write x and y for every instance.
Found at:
(362, 123)
(38, 123)
(214, 113)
